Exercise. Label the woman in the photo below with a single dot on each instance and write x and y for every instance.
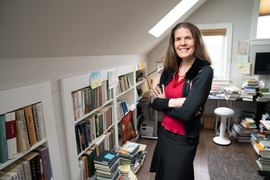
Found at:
(181, 95)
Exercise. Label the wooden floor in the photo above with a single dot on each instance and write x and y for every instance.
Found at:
(200, 162)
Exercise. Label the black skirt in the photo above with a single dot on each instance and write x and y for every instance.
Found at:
(173, 156)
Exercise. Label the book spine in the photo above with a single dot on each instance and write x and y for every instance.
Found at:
(11, 135)
(75, 105)
(3, 140)
(26, 169)
(21, 146)
(39, 123)
(20, 116)
(38, 167)
(80, 107)
(33, 169)
(30, 125)
(46, 164)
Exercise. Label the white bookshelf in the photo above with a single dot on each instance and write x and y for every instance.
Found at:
(74, 83)
(16, 98)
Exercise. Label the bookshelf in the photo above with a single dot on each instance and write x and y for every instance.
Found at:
(16, 98)
(74, 83)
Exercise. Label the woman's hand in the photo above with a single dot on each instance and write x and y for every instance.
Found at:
(158, 93)
(199, 112)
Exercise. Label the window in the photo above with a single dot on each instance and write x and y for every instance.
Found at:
(263, 26)
(261, 19)
(216, 51)
(218, 39)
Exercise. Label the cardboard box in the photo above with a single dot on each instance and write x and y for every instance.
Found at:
(208, 122)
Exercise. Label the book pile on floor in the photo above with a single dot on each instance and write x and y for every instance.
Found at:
(127, 173)
(107, 165)
(134, 154)
(242, 131)
(261, 144)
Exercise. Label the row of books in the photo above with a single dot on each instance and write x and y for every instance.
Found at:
(35, 165)
(88, 99)
(93, 126)
(123, 84)
(20, 130)
(122, 109)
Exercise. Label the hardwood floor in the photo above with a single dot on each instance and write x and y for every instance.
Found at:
(200, 162)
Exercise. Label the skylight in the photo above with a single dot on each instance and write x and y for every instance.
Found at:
(178, 11)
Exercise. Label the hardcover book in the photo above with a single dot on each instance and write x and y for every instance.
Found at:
(106, 157)
(11, 135)
(3, 140)
(30, 125)
(44, 156)
(39, 123)
(33, 159)
(21, 117)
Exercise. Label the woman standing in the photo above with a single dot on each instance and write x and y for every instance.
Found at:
(181, 94)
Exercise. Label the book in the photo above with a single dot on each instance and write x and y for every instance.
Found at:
(89, 154)
(20, 138)
(30, 125)
(17, 167)
(33, 159)
(74, 96)
(84, 160)
(78, 139)
(11, 135)
(128, 148)
(38, 121)
(106, 167)
(44, 156)
(3, 140)
(106, 157)
(80, 106)
(265, 144)
(260, 150)
(82, 170)
(26, 168)
(20, 116)
(266, 124)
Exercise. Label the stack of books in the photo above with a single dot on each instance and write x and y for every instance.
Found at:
(128, 152)
(232, 93)
(249, 91)
(248, 123)
(107, 165)
(264, 95)
(241, 133)
(261, 144)
(126, 172)
(257, 137)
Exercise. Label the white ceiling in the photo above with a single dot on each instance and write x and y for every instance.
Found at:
(81, 28)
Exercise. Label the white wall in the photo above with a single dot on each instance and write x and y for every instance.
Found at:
(26, 71)
(218, 11)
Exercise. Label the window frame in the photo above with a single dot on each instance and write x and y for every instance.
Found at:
(228, 48)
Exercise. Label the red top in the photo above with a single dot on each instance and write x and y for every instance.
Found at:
(174, 90)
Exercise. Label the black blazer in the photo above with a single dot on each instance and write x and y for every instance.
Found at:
(201, 75)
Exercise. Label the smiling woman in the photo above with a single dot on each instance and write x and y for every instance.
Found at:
(181, 94)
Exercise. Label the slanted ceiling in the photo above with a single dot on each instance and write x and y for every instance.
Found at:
(80, 28)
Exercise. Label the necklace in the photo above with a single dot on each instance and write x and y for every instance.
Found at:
(180, 77)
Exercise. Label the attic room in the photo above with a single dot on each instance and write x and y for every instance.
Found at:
(48, 41)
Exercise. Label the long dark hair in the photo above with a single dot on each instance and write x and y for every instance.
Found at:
(200, 48)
